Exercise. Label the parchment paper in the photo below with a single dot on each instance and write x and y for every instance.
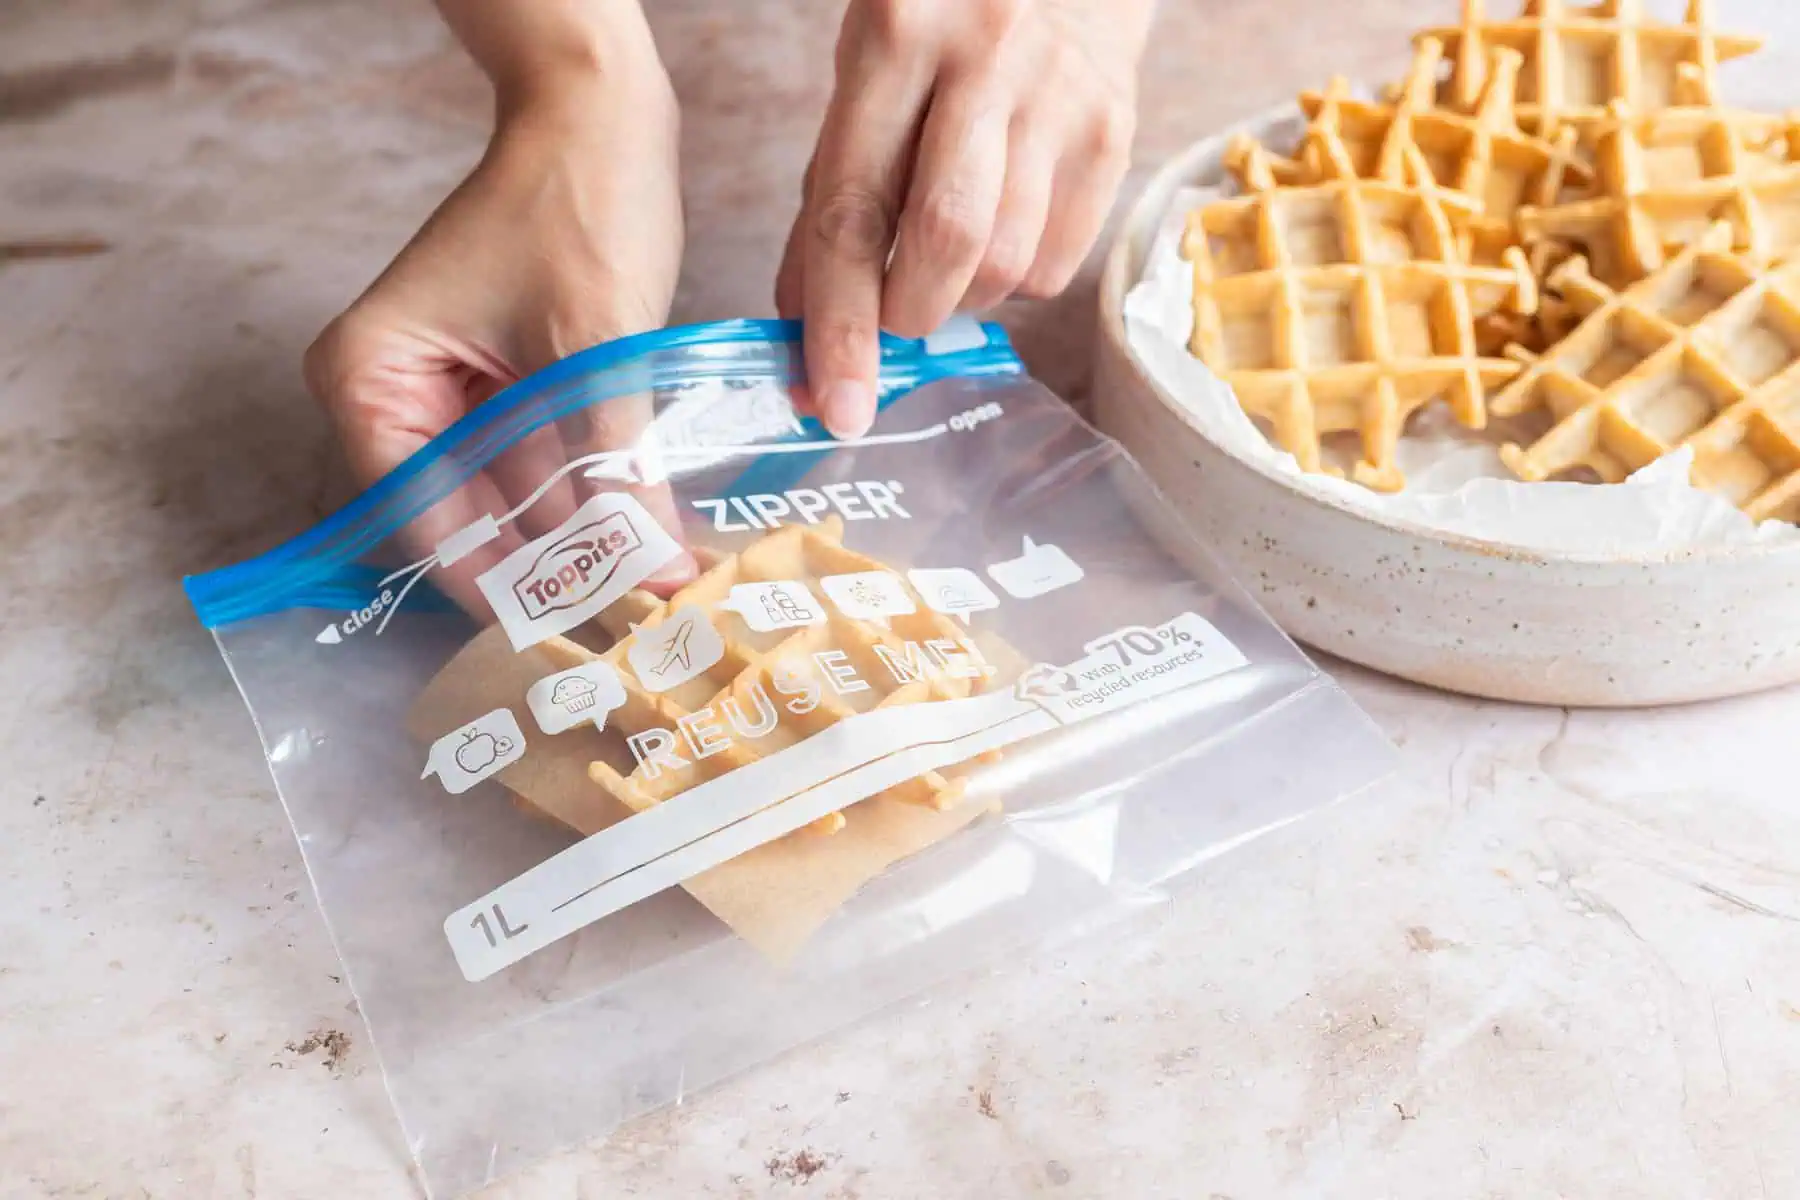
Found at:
(775, 897)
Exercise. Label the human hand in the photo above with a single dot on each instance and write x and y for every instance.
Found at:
(567, 234)
(980, 144)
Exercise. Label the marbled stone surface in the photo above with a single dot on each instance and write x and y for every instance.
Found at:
(1558, 956)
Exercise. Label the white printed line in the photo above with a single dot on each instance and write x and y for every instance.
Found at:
(717, 453)
(723, 817)
(803, 809)
(701, 452)
(836, 768)
(395, 606)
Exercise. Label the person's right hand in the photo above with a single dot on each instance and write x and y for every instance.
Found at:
(567, 234)
(970, 152)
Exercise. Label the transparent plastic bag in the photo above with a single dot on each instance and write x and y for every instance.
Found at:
(927, 698)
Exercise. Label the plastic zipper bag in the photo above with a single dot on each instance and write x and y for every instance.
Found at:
(635, 731)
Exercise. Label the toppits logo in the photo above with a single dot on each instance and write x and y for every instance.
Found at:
(606, 547)
(577, 565)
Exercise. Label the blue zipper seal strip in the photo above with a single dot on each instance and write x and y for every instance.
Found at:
(321, 568)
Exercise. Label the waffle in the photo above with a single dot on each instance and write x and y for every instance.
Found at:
(796, 554)
(1344, 307)
(1702, 354)
(1663, 179)
(1485, 163)
(776, 896)
(1581, 60)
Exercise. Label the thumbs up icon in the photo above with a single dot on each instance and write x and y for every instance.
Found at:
(1041, 568)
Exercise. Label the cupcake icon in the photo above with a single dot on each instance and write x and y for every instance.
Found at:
(576, 696)
(573, 694)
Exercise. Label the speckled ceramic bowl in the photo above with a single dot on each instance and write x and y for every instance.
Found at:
(1454, 612)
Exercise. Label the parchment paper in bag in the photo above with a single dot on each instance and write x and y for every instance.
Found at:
(775, 897)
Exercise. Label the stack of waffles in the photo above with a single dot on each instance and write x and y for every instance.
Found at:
(1552, 217)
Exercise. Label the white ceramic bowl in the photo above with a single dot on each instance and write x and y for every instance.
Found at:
(1454, 612)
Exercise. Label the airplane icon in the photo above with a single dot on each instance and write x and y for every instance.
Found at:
(677, 651)
(680, 648)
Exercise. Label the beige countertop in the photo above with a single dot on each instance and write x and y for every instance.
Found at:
(1560, 955)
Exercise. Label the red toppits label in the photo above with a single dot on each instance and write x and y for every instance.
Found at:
(577, 565)
(550, 585)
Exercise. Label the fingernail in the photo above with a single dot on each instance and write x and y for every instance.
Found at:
(847, 408)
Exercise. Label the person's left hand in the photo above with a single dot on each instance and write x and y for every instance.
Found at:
(970, 152)
(567, 234)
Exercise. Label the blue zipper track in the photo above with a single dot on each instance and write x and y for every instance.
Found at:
(319, 568)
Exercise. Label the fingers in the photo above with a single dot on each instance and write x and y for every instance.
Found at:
(382, 421)
(790, 285)
(469, 503)
(525, 467)
(1022, 145)
(1085, 184)
(971, 235)
(525, 472)
(849, 225)
(678, 572)
(617, 424)
(1019, 223)
(958, 177)
(790, 280)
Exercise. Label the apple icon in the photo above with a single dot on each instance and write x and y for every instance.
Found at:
(465, 756)
(479, 750)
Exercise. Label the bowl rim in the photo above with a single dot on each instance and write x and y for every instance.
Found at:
(1120, 272)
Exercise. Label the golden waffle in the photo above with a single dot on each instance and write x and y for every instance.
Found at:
(1344, 307)
(1489, 165)
(1581, 60)
(1703, 354)
(1663, 179)
(756, 661)
(775, 896)
(1555, 317)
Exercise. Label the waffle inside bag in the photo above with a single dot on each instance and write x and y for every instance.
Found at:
(636, 731)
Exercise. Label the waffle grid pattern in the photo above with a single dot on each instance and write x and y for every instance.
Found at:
(1344, 307)
(1487, 164)
(1582, 60)
(1705, 354)
(1663, 180)
(755, 660)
